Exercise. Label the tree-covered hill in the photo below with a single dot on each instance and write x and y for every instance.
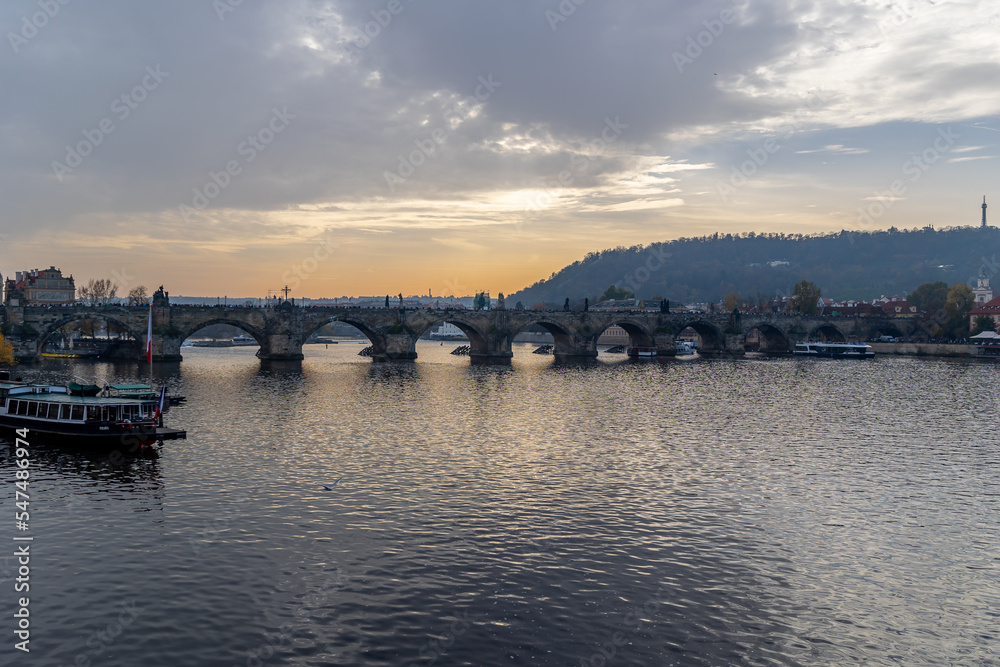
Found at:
(845, 265)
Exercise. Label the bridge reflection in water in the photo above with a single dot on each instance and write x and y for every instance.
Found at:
(393, 332)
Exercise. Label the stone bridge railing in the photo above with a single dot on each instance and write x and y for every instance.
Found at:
(282, 330)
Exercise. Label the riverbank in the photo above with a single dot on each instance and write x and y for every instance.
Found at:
(928, 350)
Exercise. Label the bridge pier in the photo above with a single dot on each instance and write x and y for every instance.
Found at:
(492, 345)
(732, 346)
(396, 347)
(494, 350)
(165, 348)
(664, 344)
(281, 347)
(574, 347)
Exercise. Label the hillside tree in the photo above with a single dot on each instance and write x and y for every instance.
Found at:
(960, 301)
(984, 323)
(805, 297)
(614, 293)
(929, 297)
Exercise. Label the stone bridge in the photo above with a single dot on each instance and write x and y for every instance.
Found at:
(393, 332)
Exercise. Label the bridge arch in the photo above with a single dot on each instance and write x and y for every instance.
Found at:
(373, 336)
(884, 328)
(772, 339)
(639, 335)
(566, 344)
(828, 332)
(477, 339)
(194, 328)
(712, 340)
(80, 316)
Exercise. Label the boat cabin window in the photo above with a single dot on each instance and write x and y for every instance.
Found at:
(53, 411)
(64, 412)
(93, 413)
(77, 413)
(41, 409)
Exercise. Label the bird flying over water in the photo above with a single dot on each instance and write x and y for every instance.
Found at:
(330, 487)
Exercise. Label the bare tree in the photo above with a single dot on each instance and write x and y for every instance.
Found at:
(99, 290)
(137, 296)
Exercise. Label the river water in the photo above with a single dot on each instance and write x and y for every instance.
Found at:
(699, 512)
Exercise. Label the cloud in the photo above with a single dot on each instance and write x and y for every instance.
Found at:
(970, 159)
(592, 113)
(836, 148)
(667, 168)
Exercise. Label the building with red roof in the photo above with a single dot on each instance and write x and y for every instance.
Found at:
(990, 308)
(40, 287)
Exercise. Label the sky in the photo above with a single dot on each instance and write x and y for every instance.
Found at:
(352, 147)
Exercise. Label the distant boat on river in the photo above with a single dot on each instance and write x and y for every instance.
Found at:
(835, 350)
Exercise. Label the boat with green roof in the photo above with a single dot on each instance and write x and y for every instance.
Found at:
(53, 411)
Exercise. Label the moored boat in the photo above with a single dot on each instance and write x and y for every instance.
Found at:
(835, 350)
(642, 352)
(683, 347)
(51, 411)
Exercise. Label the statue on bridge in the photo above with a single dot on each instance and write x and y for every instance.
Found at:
(500, 303)
(735, 321)
(161, 298)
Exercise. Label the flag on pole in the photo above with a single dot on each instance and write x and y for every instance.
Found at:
(163, 397)
(149, 336)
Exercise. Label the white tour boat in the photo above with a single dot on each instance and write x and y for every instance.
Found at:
(835, 350)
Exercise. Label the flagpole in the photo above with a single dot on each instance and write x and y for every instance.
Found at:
(149, 343)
